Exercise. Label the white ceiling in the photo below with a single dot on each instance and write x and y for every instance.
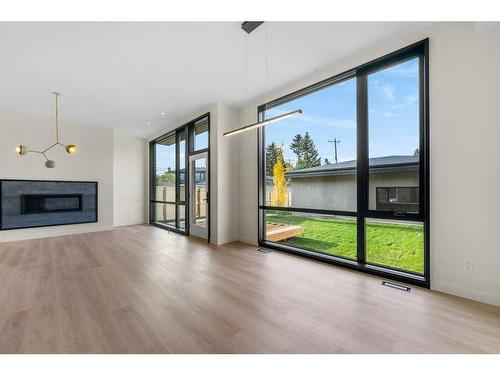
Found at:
(123, 75)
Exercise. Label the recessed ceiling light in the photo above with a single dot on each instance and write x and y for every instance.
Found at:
(137, 131)
(148, 123)
(163, 113)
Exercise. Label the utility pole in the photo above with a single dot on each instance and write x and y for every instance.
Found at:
(335, 141)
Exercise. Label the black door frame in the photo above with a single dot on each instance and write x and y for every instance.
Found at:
(188, 129)
(421, 50)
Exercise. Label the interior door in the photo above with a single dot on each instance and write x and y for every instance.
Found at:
(198, 195)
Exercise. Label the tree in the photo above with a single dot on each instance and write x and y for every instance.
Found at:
(167, 176)
(272, 151)
(309, 155)
(417, 152)
(296, 147)
(280, 185)
(327, 162)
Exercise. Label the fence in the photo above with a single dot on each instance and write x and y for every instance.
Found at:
(269, 198)
(166, 212)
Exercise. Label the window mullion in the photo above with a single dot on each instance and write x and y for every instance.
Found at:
(362, 162)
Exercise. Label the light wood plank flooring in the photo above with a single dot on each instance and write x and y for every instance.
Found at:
(143, 290)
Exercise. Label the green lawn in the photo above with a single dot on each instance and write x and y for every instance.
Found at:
(395, 245)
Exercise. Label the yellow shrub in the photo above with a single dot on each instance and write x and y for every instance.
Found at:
(280, 188)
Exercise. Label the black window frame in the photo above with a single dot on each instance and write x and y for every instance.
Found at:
(419, 49)
(188, 130)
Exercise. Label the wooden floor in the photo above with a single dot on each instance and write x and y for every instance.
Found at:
(143, 290)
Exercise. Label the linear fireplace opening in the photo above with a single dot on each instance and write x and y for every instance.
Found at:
(47, 203)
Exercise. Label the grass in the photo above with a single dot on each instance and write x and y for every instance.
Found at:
(395, 245)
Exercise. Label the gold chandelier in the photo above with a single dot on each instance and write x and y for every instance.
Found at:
(70, 148)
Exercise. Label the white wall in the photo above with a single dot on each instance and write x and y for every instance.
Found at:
(465, 167)
(115, 160)
(92, 162)
(227, 167)
(129, 179)
(223, 173)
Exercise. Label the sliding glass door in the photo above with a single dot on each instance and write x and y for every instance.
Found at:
(347, 180)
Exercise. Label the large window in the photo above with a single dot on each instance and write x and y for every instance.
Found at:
(307, 155)
(169, 180)
(347, 180)
(169, 183)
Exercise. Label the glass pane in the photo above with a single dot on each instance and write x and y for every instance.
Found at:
(393, 117)
(182, 166)
(164, 213)
(335, 235)
(182, 216)
(395, 244)
(201, 134)
(165, 170)
(310, 159)
(200, 193)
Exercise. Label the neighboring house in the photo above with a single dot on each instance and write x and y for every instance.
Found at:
(393, 185)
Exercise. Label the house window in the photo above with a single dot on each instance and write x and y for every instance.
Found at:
(347, 181)
(398, 199)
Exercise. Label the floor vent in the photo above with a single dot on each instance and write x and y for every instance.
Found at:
(396, 286)
(262, 250)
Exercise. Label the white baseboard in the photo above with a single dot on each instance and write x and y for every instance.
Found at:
(469, 293)
(249, 241)
(44, 232)
(222, 241)
(116, 225)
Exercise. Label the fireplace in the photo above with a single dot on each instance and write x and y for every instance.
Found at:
(33, 203)
(45, 203)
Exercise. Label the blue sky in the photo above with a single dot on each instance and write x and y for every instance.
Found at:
(165, 155)
(331, 112)
(165, 158)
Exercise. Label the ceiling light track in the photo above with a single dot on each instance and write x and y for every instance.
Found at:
(249, 26)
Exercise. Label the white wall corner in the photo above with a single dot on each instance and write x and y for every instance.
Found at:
(465, 292)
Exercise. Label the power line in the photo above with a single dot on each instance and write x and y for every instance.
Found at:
(335, 142)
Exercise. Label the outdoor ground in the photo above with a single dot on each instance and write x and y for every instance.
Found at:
(395, 245)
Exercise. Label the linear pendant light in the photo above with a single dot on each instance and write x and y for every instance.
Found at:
(245, 26)
(264, 122)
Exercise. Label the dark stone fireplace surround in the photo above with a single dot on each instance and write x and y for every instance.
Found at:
(40, 203)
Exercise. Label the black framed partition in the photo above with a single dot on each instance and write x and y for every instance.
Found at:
(347, 182)
(169, 183)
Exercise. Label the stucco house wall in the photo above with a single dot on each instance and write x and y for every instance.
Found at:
(339, 192)
(325, 192)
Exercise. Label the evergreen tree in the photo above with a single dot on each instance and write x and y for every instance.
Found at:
(309, 154)
(327, 162)
(272, 152)
(296, 147)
